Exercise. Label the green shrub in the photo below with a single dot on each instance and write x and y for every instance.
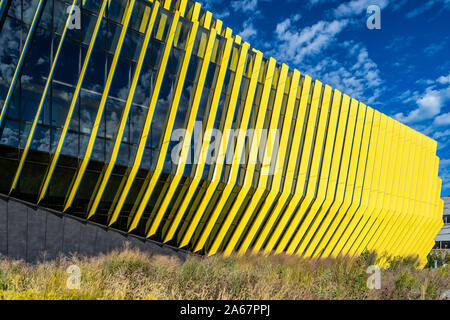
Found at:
(131, 274)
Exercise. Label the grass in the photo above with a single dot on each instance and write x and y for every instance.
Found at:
(131, 274)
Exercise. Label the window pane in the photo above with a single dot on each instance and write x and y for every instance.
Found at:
(120, 83)
(92, 5)
(29, 9)
(154, 54)
(88, 104)
(87, 27)
(144, 87)
(67, 67)
(162, 26)
(114, 31)
(9, 54)
(161, 110)
(71, 145)
(62, 98)
(132, 45)
(113, 114)
(41, 139)
(99, 150)
(135, 123)
(182, 34)
(15, 9)
(116, 10)
(95, 75)
(140, 16)
(10, 134)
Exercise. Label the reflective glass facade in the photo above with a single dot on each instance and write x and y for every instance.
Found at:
(93, 93)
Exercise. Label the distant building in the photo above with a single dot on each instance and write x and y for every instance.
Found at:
(443, 237)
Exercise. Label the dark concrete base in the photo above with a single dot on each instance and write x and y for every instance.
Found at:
(30, 233)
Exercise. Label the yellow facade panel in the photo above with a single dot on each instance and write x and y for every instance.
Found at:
(93, 136)
(346, 225)
(376, 198)
(331, 222)
(128, 180)
(207, 140)
(298, 168)
(240, 63)
(169, 126)
(280, 78)
(255, 147)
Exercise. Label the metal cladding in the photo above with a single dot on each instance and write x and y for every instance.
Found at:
(91, 113)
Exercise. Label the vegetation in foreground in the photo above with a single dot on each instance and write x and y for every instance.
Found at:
(131, 274)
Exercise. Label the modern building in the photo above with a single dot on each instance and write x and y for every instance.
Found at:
(93, 95)
(443, 237)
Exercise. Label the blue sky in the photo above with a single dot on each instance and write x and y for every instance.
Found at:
(403, 70)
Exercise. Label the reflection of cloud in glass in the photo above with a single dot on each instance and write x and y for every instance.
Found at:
(24, 132)
(15, 8)
(123, 93)
(89, 103)
(60, 16)
(162, 109)
(144, 88)
(9, 50)
(29, 8)
(70, 147)
(10, 134)
(26, 79)
(37, 62)
(113, 113)
(184, 106)
(135, 123)
(41, 139)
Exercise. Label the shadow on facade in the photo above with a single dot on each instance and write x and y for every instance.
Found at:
(31, 233)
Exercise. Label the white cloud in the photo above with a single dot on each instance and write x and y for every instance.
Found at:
(224, 14)
(438, 135)
(249, 31)
(446, 186)
(434, 48)
(400, 42)
(444, 163)
(397, 5)
(313, 3)
(444, 80)
(296, 45)
(357, 76)
(244, 5)
(209, 4)
(315, 50)
(407, 96)
(427, 5)
(444, 174)
(212, 6)
(9, 51)
(417, 11)
(356, 7)
(429, 104)
(442, 120)
(296, 17)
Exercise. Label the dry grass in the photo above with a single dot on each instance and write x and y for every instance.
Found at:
(130, 274)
